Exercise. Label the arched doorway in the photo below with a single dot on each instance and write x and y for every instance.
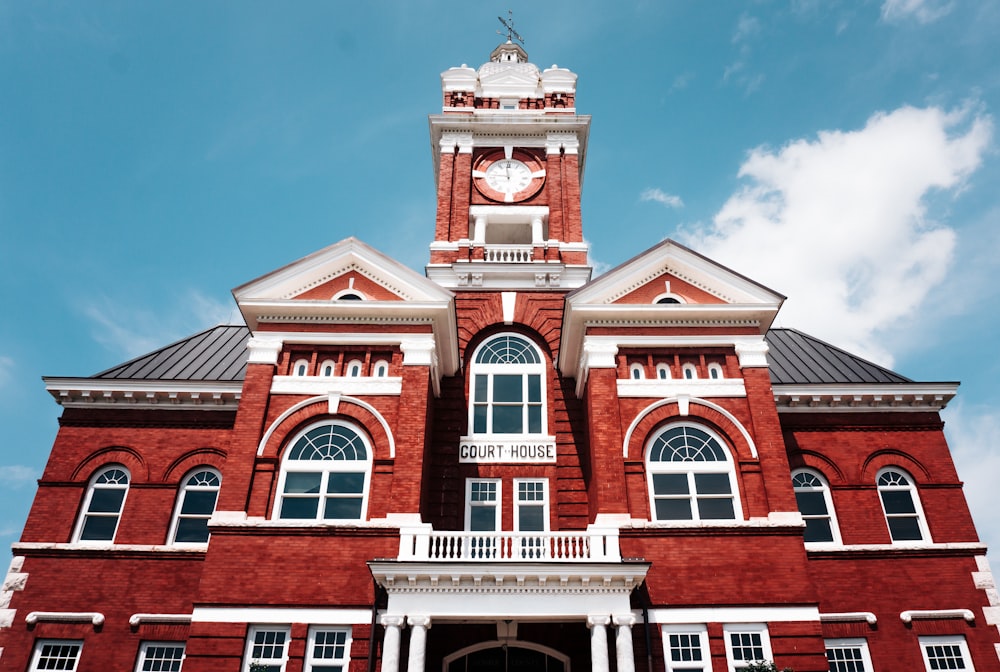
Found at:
(513, 656)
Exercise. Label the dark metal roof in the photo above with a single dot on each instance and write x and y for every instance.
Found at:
(798, 359)
(216, 354)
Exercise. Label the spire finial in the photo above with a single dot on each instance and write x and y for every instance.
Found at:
(508, 24)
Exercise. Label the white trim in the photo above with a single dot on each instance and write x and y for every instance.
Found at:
(926, 614)
(497, 503)
(910, 546)
(182, 490)
(350, 290)
(300, 365)
(901, 397)
(636, 372)
(176, 619)
(145, 645)
(249, 658)
(849, 617)
(94, 617)
(100, 393)
(325, 400)
(693, 400)
(733, 615)
(311, 660)
(317, 616)
(675, 387)
(350, 385)
(85, 513)
(506, 642)
(946, 640)
(746, 628)
(36, 652)
(667, 629)
(912, 490)
(831, 513)
(860, 644)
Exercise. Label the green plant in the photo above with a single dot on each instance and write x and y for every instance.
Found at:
(765, 666)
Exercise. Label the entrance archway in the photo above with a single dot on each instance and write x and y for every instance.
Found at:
(512, 656)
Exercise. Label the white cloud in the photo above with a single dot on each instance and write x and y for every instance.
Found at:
(660, 196)
(15, 475)
(840, 222)
(924, 11)
(135, 331)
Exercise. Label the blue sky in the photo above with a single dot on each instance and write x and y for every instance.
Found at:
(155, 155)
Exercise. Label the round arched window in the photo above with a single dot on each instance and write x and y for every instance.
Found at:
(690, 475)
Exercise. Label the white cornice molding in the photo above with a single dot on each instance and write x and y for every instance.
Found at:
(94, 617)
(353, 385)
(863, 397)
(676, 387)
(491, 276)
(263, 350)
(685, 615)
(135, 620)
(849, 617)
(162, 394)
(926, 614)
(316, 616)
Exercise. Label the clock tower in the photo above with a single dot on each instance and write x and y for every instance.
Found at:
(509, 151)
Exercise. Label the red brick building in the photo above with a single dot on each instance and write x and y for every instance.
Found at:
(504, 465)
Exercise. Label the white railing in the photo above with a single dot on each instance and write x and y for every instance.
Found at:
(419, 544)
(508, 254)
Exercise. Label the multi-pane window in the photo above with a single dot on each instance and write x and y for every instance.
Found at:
(848, 655)
(813, 497)
(267, 649)
(901, 506)
(328, 649)
(531, 514)
(54, 654)
(686, 649)
(746, 644)
(946, 653)
(103, 506)
(482, 514)
(196, 504)
(507, 387)
(160, 657)
(690, 475)
(325, 474)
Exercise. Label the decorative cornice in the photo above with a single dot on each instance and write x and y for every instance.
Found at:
(135, 620)
(863, 397)
(849, 617)
(160, 394)
(94, 617)
(927, 614)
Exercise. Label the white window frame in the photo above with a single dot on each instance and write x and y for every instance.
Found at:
(485, 546)
(311, 659)
(351, 293)
(330, 364)
(663, 371)
(248, 657)
(385, 369)
(704, 665)
(831, 513)
(40, 645)
(182, 494)
(300, 368)
(325, 468)
(88, 498)
(659, 299)
(523, 369)
(760, 629)
(691, 468)
(946, 640)
(537, 547)
(354, 369)
(716, 368)
(689, 372)
(144, 648)
(636, 371)
(859, 645)
(911, 488)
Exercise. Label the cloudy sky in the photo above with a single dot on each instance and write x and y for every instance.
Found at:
(155, 155)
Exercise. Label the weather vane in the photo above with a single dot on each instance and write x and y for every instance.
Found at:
(508, 23)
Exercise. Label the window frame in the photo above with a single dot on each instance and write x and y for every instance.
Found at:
(911, 488)
(300, 369)
(831, 512)
(354, 365)
(36, 654)
(728, 630)
(689, 372)
(375, 369)
(182, 492)
(311, 661)
(691, 469)
(859, 644)
(701, 631)
(325, 468)
(532, 546)
(485, 546)
(330, 364)
(636, 371)
(525, 370)
(716, 368)
(946, 640)
(663, 371)
(85, 513)
(248, 657)
(143, 656)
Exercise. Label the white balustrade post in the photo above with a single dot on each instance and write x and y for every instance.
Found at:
(598, 643)
(418, 642)
(623, 642)
(390, 643)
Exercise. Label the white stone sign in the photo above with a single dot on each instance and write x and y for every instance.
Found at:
(517, 451)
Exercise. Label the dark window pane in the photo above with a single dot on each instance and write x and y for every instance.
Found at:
(482, 383)
(483, 519)
(670, 484)
(818, 529)
(507, 388)
(673, 509)
(712, 484)
(299, 508)
(302, 483)
(343, 508)
(99, 528)
(199, 502)
(904, 529)
(811, 503)
(534, 388)
(349, 483)
(192, 530)
(716, 509)
(535, 419)
(479, 419)
(106, 500)
(898, 501)
(531, 518)
(507, 420)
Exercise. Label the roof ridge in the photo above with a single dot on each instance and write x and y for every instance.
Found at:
(153, 353)
(856, 358)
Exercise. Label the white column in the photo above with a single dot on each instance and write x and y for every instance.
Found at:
(390, 643)
(479, 230)
(536, 230)
(623, 642)
(598, 643)
(418, 642)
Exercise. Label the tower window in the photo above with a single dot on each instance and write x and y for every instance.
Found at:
(507, 390)
(327, 368)
(300, 368)
(663, 371)
(812, 495)
(689, 371)
(715, 371)
(195, 505)
(636, 372)
(354, 368)
(103, 507)
(901, 506)
(380, 368)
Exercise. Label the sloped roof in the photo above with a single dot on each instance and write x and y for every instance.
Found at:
(220, 354)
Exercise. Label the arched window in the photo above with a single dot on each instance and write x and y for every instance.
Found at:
(102, 508)
(636, 372)
(507, 387)
(690, 475)
(813, 497)
(715, 371)
(195, 505)
(663, 371)
(354, 368)
(348, 295)
(689, 371)
(325, 474)
(380, 369)
(301, 367)
(666, 299)
(901, 506)
(327, 368)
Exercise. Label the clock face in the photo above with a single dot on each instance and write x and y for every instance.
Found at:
(508, 176)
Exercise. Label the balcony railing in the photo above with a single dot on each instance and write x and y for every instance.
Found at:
(509, 254)
(577, 546)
